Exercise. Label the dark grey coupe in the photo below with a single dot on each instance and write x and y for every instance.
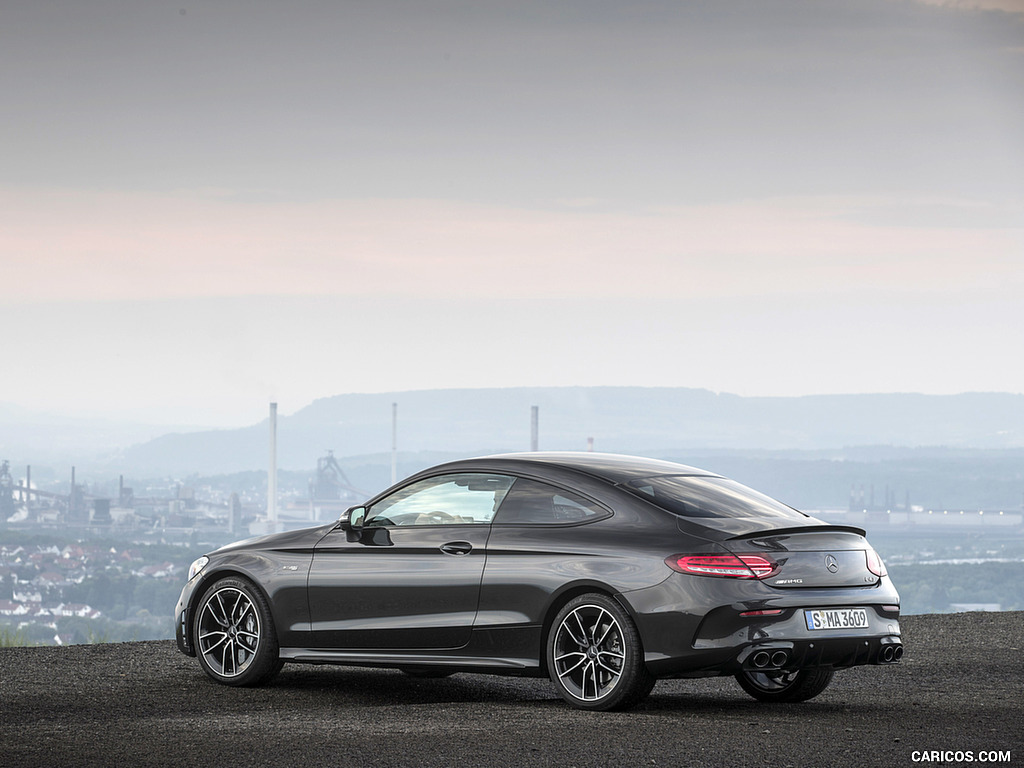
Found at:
(601, 572)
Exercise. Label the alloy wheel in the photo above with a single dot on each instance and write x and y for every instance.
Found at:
(589, 654)
(229, 631)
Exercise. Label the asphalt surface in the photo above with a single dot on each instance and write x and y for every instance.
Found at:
(959, 688)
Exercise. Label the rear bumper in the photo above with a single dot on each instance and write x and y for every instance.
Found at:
(771, 655)
(726, 627)
(679, 641)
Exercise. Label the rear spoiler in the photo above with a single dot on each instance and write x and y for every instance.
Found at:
(799, 529)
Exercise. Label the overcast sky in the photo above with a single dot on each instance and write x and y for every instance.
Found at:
(206, 205)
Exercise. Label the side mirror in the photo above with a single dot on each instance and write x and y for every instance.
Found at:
(352, 519)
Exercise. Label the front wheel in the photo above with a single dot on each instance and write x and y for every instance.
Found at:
(234, 634)
(785, 686)
(594, 655)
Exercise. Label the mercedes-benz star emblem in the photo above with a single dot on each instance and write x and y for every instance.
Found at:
(831, 563)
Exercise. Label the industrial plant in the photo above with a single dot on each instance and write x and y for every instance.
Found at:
(175, 512)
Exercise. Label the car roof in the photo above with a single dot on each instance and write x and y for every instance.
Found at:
(612, 467)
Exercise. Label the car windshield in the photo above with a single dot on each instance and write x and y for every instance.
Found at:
(705, 497)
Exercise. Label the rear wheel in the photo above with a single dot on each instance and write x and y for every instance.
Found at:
(235, 639)
(594, 655)
(785, 685)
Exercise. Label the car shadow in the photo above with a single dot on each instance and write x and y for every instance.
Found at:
(358, 687)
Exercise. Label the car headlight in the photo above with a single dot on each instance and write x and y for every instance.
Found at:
(197, 566)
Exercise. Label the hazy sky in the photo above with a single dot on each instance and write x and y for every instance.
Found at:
(204, 205)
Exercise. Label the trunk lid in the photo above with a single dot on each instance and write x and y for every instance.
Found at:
(826, 556)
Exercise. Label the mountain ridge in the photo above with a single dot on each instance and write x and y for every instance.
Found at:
(620, 419)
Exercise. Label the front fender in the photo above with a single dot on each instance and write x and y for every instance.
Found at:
(280, 576)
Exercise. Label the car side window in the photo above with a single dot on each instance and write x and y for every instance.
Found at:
(534, 503)
(461, 499)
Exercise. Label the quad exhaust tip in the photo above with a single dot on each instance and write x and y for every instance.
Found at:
(766, 659)
(891, 654)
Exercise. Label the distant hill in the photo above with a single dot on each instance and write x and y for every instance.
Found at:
(620, 419)
(52, 442)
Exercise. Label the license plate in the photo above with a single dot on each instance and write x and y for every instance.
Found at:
(836, 618)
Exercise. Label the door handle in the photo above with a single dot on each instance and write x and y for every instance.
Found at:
(457, 548)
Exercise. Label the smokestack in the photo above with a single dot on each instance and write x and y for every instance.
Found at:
(590, 444)
(394, 443)
(534, 426)
(272, 471)
(28, 484)
(71, 498)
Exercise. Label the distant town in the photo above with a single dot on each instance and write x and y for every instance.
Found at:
(80, 564)
(84, 592)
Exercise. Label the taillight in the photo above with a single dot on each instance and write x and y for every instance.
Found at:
(732, 566)
(875, 564)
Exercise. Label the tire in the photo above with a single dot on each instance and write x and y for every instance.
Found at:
(235, 638)
(594, 655)
(785, 685)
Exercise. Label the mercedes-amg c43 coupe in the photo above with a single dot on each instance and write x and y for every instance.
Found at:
(602, 572)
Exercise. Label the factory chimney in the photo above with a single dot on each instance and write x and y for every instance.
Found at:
(394, 443)
(534, 427)
(272, 471)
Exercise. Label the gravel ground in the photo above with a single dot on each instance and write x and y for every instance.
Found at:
(960, 687)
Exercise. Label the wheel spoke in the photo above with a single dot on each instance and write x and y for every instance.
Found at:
(590, 668)
(583, 632)
(574, 667)
(223, 618)
(207, 649)
(570, 653)
(597, 627)
(245, 605)
(225, 655)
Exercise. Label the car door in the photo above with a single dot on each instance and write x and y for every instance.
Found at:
(409, 576)
(541, 539)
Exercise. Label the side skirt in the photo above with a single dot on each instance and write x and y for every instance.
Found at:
(391, 660)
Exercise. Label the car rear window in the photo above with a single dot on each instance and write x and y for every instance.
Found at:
(705, 497)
